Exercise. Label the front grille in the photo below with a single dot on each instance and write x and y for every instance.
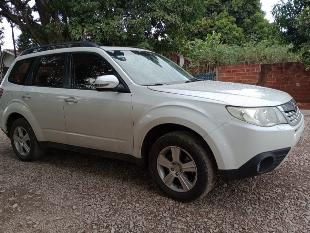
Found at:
(291, 112)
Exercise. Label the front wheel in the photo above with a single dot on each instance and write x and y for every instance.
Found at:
(181, 166)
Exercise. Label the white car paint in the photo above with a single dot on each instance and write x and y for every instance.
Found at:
(229, 93)
(119, 122)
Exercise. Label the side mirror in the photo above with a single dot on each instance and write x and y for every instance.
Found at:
(106, 82)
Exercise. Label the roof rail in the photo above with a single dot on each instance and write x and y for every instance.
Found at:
(58, 46)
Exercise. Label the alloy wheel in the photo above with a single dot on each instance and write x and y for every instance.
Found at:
(177, 169)
(21, 141)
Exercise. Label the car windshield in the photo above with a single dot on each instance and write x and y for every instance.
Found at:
(147, 68)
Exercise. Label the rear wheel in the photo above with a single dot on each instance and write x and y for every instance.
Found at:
(23, 141)
(181, 166)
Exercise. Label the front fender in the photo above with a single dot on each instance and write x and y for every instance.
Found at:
(191, 117)
(20, 108)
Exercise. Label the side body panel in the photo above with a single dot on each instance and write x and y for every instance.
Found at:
(100, 120)
(151, 108)
(47, 105)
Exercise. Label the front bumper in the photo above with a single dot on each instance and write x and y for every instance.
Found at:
(260, 164)
(239, 147)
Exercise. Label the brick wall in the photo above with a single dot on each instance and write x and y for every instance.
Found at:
(289, 77)
(239, 73)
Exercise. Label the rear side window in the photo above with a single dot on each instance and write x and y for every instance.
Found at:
(20, 71)
(50, 71)
(86, 67)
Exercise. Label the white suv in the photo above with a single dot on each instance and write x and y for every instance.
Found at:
(133, 103)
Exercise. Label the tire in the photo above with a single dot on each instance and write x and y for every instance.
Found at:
(25, 148)
(194, 164)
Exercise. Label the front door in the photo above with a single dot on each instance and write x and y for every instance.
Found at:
(97, 119)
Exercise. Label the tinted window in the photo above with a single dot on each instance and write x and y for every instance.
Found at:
(50, 71)
(19, 72)
(86, 67)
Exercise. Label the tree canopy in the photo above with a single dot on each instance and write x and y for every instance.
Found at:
(293, 20)
(237, 21)
(162, 25)
(45, 21)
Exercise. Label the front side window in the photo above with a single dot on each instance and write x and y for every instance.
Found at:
(86, 67)
(50, 71)
(20, 71)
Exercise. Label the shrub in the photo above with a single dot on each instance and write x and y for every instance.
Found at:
(212, 52)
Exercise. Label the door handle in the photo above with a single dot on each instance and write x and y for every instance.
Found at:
(71, 100)
(26, 97)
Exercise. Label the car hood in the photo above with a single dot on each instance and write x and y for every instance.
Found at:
(228, 93)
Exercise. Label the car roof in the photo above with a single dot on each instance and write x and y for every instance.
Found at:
(111, 48)
(72, 49)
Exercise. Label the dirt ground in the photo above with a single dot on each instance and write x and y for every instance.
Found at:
(69, 192)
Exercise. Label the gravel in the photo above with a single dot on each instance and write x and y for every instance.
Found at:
(69, 192)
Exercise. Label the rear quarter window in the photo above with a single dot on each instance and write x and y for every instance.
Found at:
(19, 72)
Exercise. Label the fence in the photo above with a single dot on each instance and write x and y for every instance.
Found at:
(292, 78)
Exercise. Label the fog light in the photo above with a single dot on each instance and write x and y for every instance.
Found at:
(265, 165)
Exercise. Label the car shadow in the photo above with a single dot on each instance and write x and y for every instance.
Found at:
(96, 169)
(89, 165)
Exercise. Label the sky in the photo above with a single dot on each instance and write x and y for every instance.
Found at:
(267, 6)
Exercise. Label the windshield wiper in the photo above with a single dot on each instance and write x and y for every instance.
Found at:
(196, 79)
(156, 84)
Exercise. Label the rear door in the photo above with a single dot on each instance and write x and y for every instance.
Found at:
(44, 95)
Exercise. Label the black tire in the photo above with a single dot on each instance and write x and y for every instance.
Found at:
(35, 151)
(205, 168)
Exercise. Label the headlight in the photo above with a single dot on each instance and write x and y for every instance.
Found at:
(265, 117)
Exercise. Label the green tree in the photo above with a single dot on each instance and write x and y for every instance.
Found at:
(238, 21)
(162, 25)
(293, 20)
(250, 17)
(287, 20)
(51, 24)
(25, 41)
(223, 24)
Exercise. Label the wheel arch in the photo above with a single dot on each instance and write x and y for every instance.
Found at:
(159, 130)
(13, 117)
(17, 110)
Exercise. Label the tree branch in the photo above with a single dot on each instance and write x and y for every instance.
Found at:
(18, 14)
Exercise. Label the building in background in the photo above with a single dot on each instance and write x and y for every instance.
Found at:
(6, 59)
